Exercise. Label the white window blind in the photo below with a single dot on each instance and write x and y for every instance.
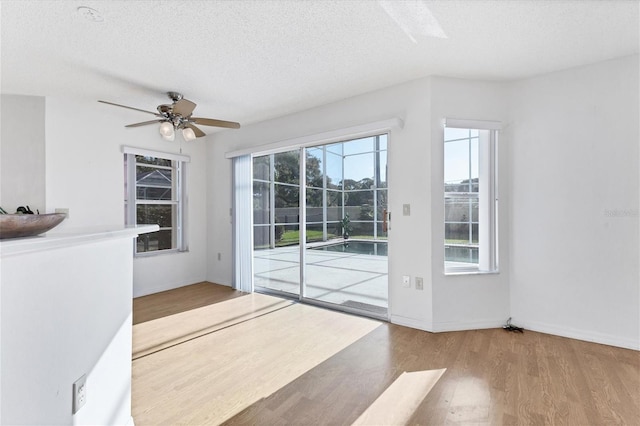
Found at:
(242, 224)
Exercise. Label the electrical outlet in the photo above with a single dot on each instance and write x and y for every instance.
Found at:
(419, 283)
(406, 281)
(79, 393)
(406, 209)
(219, 256)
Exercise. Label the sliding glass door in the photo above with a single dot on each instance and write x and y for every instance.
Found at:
(346, 263)
(276, 222)
(320, 230)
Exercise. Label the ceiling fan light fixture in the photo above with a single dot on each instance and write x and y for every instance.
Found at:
(167, 132)
(188, 134)
(178, 116)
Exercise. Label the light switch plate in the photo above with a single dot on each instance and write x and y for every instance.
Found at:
(406, 281)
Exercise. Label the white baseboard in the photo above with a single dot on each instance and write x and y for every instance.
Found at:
(139, 292)
(573, 333)
(440, 327)
(410, 322)
(445, 326)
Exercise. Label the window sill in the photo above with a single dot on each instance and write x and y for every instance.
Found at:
(469, 272)
(158, 253)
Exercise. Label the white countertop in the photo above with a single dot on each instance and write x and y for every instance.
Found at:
(70, 237)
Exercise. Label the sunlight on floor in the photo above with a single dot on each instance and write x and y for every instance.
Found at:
(211, 378)
(470, 401)
(399, 401)
(151, 336)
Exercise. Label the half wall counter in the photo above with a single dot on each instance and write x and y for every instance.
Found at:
(66, 312)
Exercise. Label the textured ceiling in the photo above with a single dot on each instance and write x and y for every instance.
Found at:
(252, 60)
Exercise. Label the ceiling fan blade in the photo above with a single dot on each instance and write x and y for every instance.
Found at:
(128, 107)
(144, 123)
(215, 123)
(199, 133)
(183, 107)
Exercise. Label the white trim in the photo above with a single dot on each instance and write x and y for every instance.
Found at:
(487, 195)
(130, 190)
(242, 228)
(178, 186)
(338, 135)
(158, 202)
(182, 194)
(411, 323)
(68, 238)
(452, 272)
(472, 124)
(488, 201)
(573, 333)
(153, 253)
(441, 327)
(540, 327)
(149, 153)
(446, 326)
(160, 287)
(302, 226)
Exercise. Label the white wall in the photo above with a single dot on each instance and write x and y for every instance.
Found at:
(579, 126)
(85, 173)
(415, 178)
(574, 197)
(471, 300)
(568, 189)
(409, 182)
(22, 153)
(67, 312)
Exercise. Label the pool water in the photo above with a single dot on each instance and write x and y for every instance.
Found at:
(375, 248)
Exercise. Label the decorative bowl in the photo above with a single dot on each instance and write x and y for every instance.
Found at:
(27, 225)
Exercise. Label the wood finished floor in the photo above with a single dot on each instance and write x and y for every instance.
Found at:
(167, 303)
(492, 376)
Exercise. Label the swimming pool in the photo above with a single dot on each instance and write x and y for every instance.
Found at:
(375, 248)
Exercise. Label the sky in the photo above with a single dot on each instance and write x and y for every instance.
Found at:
(456, 154)
(359, 159)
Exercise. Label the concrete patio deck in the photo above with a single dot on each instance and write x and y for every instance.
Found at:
(346, 279)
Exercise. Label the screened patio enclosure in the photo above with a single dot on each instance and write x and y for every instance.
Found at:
(333, 198)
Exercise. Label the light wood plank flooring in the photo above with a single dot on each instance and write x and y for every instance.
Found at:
(167, 303)
(254, 359)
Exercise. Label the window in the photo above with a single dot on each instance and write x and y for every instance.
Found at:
(154, 194)
(470, 196)
(343, 179)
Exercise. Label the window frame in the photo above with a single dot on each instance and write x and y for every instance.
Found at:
(487, 196)
(379, 188)
(178, 199)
